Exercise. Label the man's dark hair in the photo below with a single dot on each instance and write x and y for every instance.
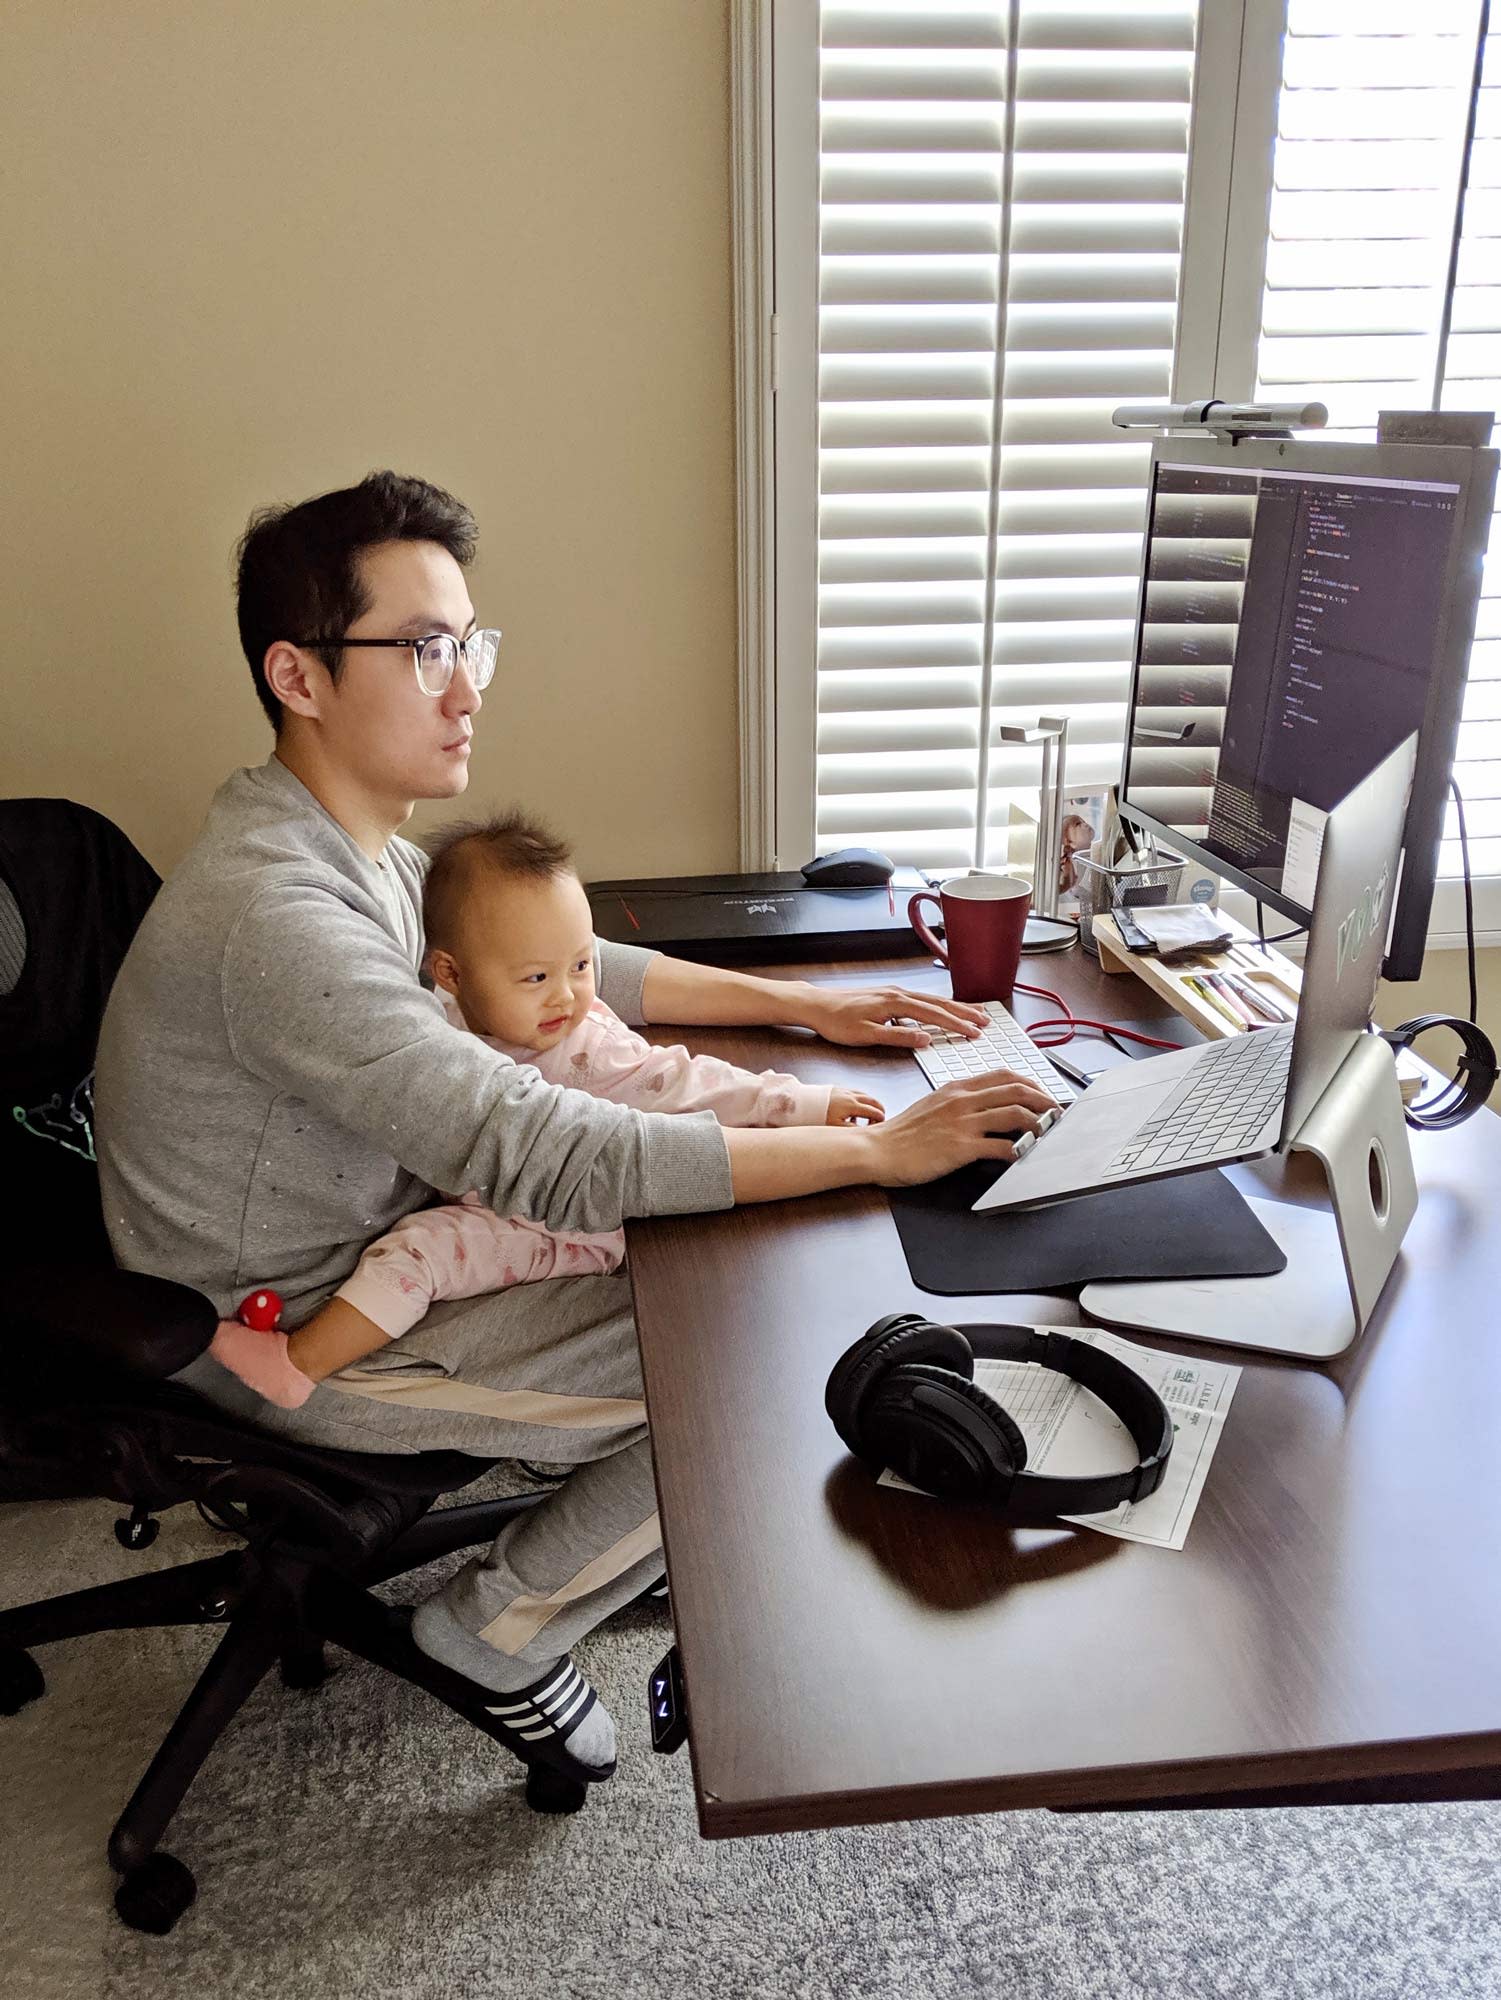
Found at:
(464, 855)
(297, 568)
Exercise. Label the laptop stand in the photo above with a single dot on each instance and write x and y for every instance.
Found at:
(1340, 1251)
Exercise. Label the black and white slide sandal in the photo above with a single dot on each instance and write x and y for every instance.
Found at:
(534, 1722)
(537, 1721)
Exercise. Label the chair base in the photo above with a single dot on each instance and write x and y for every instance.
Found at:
(276, 1605)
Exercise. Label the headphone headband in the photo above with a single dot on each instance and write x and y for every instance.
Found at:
(905, 1396)
(1040, 1496)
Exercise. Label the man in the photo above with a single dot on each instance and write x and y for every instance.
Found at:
(276, 1088)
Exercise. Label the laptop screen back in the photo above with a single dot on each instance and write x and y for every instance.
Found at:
(1352, 907)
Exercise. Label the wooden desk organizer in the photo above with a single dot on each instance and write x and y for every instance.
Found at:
(1279, 975)
(1246, 960)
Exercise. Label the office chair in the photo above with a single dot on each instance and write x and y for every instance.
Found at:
(88, 1407)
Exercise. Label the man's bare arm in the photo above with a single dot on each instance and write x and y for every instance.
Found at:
(948, 1129)
(675, 992)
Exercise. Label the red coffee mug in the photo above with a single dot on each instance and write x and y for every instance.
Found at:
(984, 921)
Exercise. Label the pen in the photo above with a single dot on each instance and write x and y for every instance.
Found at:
(1072, 1071)
(1270, 1010)
(1249, 997)
(1232, 1000)
(1260, 987)
(1212, 999)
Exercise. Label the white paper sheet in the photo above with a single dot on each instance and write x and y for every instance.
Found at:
(1070, 1432)
(1305, 843)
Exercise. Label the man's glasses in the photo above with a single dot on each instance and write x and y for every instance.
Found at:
(436, 657)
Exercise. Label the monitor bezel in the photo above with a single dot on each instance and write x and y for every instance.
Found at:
(1473, 471)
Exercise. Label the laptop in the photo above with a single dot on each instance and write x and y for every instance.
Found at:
(722, 918)
(1238, 1098)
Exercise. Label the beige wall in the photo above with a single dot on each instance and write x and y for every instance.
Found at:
(250, 252)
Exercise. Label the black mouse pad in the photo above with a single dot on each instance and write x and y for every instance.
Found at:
(1192, 1226)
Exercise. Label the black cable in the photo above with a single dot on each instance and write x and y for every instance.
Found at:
(1461, 1095)
(1464, 853)
(1461, 200)
(549, 1475)
(1282, 937)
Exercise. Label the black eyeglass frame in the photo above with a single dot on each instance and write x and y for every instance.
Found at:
(418, 646)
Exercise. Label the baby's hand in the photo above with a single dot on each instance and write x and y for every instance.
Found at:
(852, 1107)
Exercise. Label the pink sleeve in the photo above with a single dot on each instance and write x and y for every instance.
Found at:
(608, 1059)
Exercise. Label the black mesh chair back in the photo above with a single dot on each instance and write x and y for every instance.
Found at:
(80, 889)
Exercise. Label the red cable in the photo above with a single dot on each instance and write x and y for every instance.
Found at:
(1070, 1022)
(1108, 1028)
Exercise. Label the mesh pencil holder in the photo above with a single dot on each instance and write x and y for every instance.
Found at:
(1103, 888)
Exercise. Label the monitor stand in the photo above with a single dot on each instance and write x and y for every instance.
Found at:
(1339, 1254)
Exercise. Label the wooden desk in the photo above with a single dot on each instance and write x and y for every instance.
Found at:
(1331, 1632)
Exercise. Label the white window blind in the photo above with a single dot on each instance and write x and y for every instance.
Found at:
(1357, 309)
(1001, 210)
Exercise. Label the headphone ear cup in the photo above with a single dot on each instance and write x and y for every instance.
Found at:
(1009, 1430)
(896, 1340)
(943, 1433)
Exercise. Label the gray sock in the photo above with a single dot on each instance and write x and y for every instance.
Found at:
(443, 1638)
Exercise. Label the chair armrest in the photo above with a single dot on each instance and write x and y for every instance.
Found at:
(125, 1322)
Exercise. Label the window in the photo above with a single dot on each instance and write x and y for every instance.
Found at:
(990, 229)
(999, 244)
(1365, 305)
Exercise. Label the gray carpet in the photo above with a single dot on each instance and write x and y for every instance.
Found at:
(361, 1841)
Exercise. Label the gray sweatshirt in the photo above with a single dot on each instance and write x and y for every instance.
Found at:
(275, 1087)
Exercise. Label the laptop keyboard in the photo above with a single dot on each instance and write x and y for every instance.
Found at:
(1221, 1105)
(1004, 1044)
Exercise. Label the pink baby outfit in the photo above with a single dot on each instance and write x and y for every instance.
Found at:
(463, 1248)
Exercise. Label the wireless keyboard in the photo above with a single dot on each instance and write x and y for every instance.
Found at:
(1004, 1044)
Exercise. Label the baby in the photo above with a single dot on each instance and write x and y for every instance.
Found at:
(510, 947)
(1078, 838)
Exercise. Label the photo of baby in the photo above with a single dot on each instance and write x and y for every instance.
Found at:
(1086, 818)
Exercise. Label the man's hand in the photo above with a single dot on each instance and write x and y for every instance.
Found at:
(962, 1122)
(957, 1124)
(874, 1014)
(853, 1107)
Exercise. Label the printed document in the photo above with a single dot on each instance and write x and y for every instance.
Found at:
(1070, 1432)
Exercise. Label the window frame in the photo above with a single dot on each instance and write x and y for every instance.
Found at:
(775, 146)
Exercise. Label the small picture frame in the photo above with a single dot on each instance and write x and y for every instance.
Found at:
(1089, 816)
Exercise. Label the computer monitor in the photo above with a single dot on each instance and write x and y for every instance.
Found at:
(1304, 608)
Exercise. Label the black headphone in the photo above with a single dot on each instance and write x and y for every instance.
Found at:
(1472, 1083)
(904, 1396)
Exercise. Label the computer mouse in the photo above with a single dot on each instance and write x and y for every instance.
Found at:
(849, 868)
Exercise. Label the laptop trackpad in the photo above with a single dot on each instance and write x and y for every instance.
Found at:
(1069, 1158)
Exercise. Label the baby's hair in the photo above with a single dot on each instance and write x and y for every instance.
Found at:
(509, 845)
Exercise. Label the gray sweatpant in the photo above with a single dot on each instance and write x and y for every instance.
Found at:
(547, 1372)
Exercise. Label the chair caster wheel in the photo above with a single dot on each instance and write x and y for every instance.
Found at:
(153, 1896)
(307, 1669)
(138, 1531)
(21, 1680)
(548, 1791)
